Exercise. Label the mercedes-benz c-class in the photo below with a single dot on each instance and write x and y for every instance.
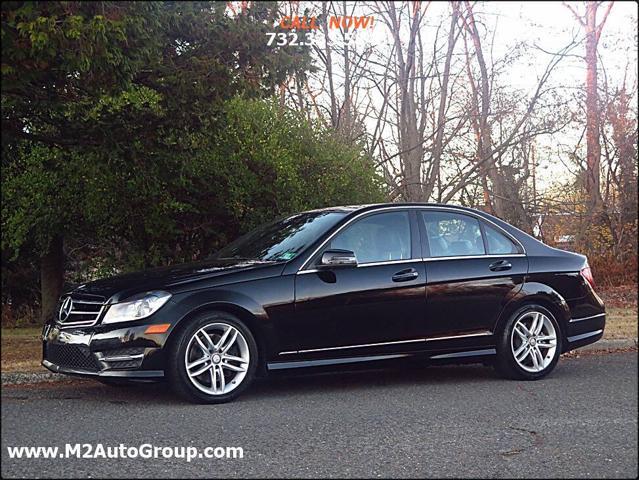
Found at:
(337, 286)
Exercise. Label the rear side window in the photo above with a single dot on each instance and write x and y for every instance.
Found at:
(453, 234)
(498, 243)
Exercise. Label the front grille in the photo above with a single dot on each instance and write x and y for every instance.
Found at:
(79, 310)
(71, 356)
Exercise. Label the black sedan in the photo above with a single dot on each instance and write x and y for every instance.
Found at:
(337, 286)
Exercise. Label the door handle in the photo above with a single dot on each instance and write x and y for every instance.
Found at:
(500, 266)
(406, 275)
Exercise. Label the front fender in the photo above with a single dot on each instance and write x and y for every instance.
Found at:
(193, 302)
(256, 305)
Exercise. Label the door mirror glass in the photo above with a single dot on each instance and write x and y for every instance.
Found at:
(338, 258)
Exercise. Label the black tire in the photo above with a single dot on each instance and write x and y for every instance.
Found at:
(176, 368)
(506, 364)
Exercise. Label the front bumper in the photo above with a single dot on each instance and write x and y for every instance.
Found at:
(113, 351)
(131, 374)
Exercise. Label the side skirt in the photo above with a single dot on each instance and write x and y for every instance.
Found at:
(467, 354)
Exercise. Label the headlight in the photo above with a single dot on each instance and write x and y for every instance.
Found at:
(137, 307)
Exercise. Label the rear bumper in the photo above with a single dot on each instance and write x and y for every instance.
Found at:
(584, 330)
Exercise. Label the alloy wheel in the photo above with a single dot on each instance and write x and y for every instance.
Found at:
(533, 341)
(217, 358)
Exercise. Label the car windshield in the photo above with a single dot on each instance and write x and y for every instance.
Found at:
(281, 240)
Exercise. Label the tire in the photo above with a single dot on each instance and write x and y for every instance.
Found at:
(225, 370)
(523, 354)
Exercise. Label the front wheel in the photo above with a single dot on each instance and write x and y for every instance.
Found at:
(213, 360)
(529, 344)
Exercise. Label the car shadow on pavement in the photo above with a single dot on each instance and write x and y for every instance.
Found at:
(368, 379)
(283, 385)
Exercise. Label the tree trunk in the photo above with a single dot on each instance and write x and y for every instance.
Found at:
(485, 153)
(329, 66)
(441, 114)
(593, 147)
(51, 278)
(410, 140)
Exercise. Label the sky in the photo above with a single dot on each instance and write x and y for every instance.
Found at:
(550, 26)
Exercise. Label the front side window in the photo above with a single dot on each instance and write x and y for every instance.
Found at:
(376, 238)
(453, 234)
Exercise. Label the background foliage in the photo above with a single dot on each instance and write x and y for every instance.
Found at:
(137, 134)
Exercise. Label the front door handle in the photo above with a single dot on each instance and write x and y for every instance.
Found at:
(406, 275)
(500, 266)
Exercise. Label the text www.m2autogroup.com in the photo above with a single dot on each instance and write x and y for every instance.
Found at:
(144, 451)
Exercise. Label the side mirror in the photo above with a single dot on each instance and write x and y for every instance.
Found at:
(338, 258)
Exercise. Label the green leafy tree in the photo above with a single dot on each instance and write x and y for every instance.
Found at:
(102, 84)
(135, 131)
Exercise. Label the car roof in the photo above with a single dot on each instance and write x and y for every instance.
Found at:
(375, 206)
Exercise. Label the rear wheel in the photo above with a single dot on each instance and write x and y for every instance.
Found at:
(529, 345)
(213, 360)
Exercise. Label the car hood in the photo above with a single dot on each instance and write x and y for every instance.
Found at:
(121, 286)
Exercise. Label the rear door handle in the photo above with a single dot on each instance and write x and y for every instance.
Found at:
(406, 275)
(500, 266)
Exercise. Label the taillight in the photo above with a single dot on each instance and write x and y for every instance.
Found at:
(587, 274)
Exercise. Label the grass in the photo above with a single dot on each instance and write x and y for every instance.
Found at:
(22, 347)
(621, 323)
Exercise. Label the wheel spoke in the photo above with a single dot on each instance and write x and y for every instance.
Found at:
(535, 360)
(213, 373)
(540, 358)
(546, 341)
(223, 338)
(207, 340)
(232, 358)
(526, 352)
(235, 368)
(229, 343)
(521, 348)
(203, 347)
(540, 324)
(521, 334)
(197, 362)
(220, 374)
(524, 328)
(200, 371)
(533, 325)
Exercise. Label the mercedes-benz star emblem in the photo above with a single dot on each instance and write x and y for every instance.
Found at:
(65, 309)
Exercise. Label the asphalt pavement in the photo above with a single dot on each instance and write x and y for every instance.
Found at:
(453, 421)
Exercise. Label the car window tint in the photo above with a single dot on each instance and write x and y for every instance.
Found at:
(376, 238)
(453, 234)
(498, 243)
